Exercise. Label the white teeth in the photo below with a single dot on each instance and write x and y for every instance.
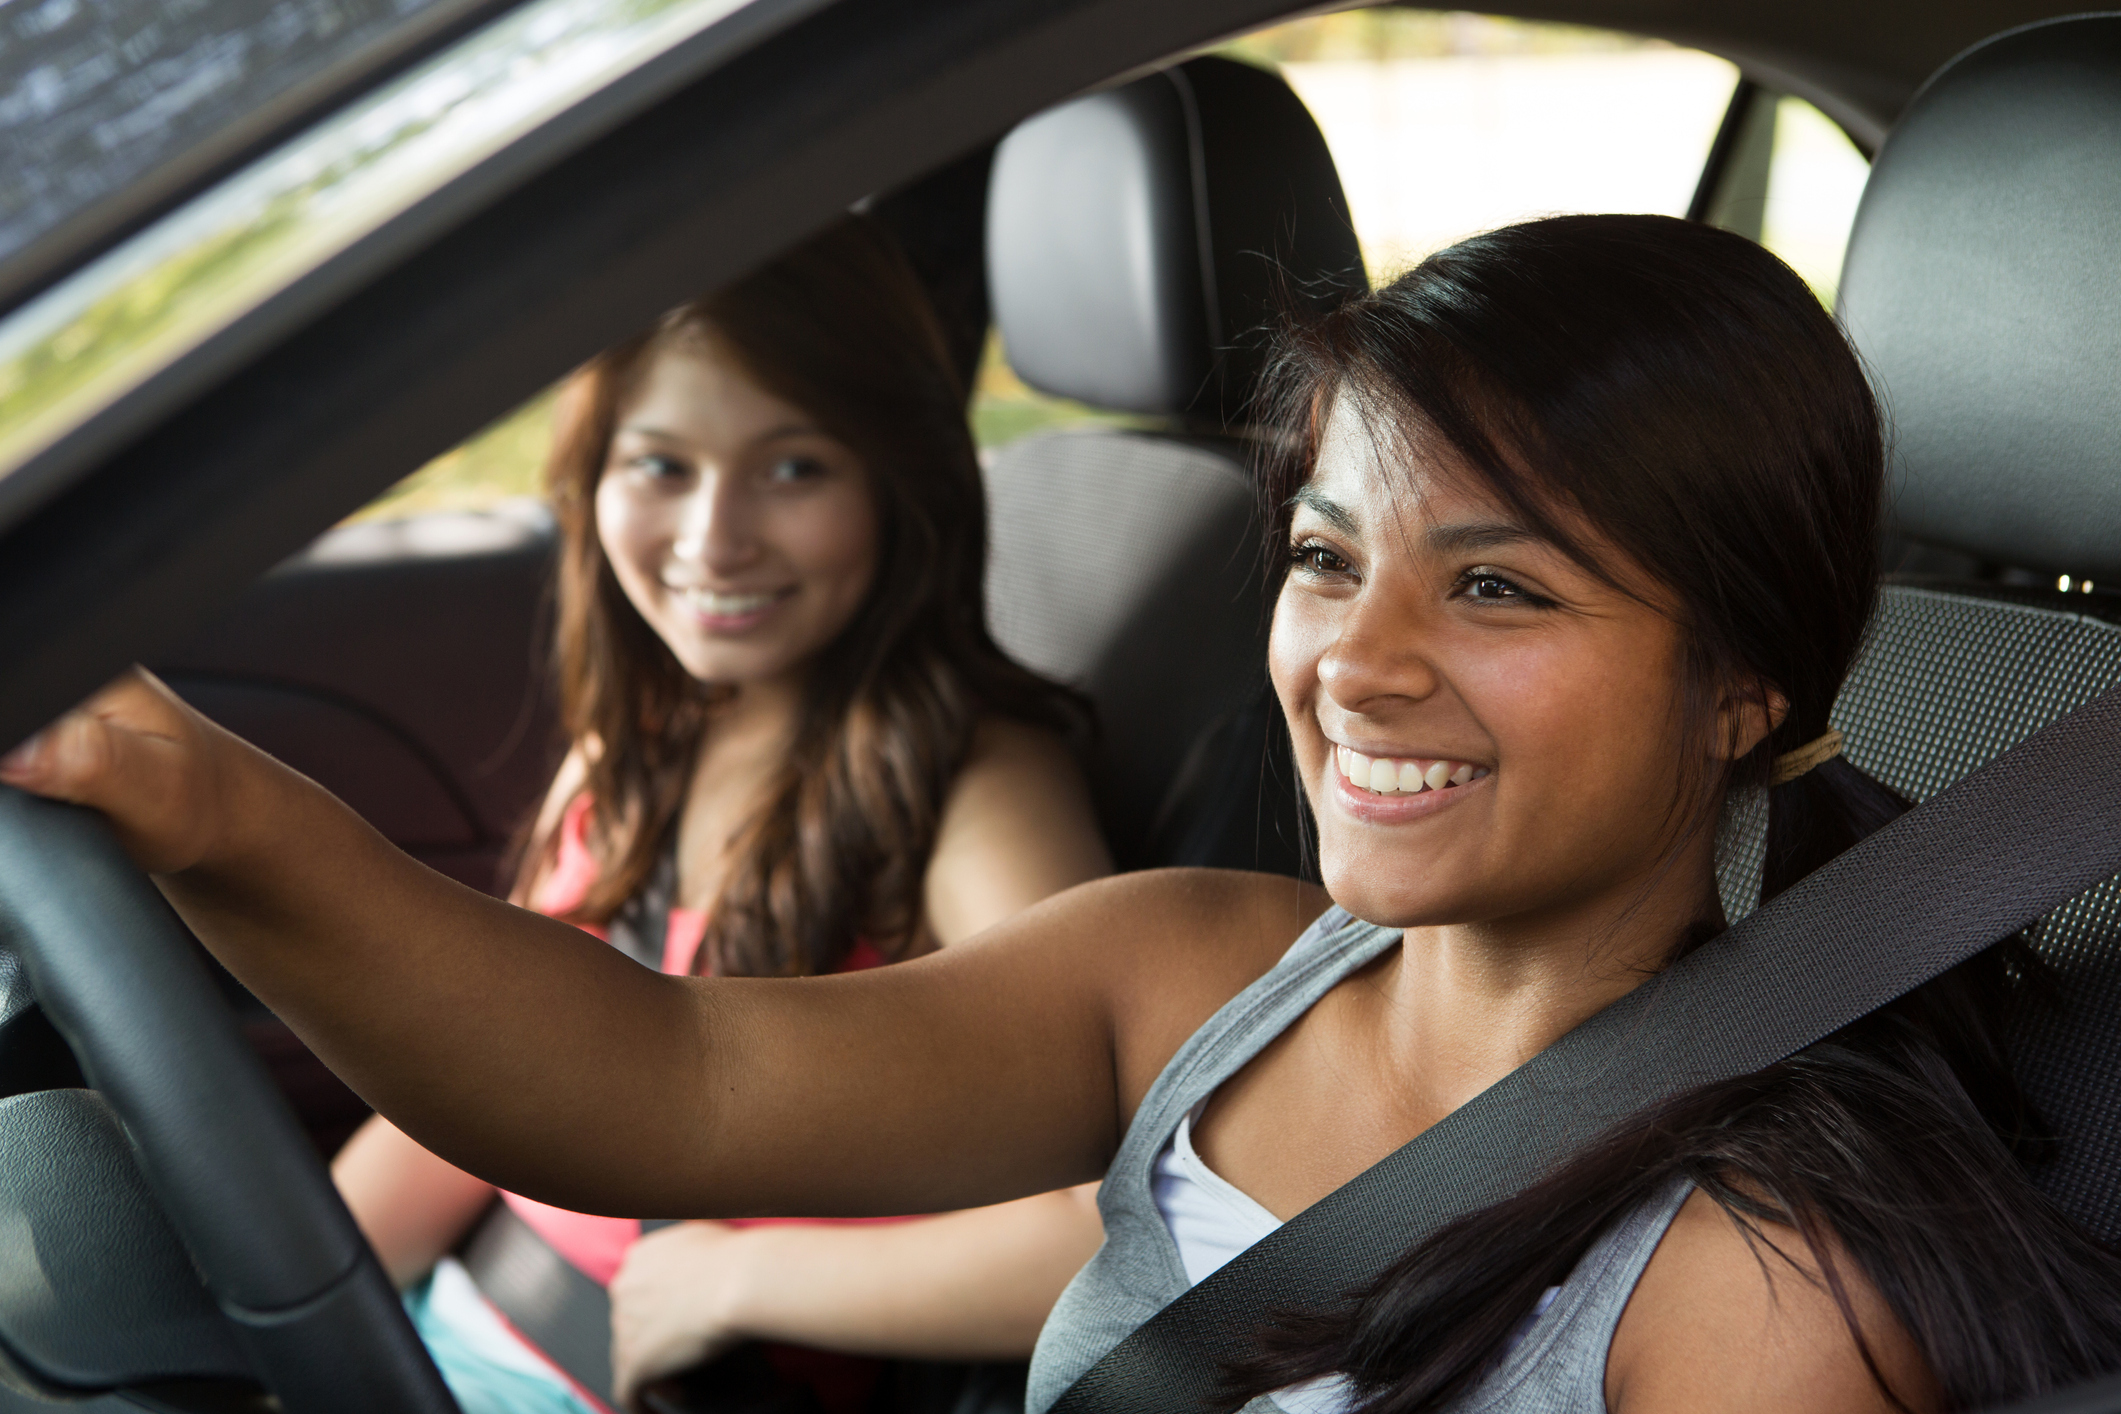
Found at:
(1389, 776)
(724, 606)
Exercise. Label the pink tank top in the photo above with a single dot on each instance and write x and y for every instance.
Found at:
(597, 1245)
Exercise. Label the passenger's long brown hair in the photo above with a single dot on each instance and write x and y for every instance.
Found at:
(839, 327)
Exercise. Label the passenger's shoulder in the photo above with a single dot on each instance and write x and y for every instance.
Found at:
(1018, 826)
(1008, 745)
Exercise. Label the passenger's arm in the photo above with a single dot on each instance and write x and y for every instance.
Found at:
(411, 1206)
(545, 1062)
(972, 1285)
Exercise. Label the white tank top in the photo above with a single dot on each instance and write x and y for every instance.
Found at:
(1212, 1220)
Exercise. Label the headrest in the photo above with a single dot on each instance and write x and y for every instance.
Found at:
(1981, 285)
(1139, 240)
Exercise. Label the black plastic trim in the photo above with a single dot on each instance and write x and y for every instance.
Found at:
(1743, 97)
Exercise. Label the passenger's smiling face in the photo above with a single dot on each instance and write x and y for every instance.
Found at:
(743, 533)
(1486, 730)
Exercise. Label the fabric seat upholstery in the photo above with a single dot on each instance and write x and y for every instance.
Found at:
(1137, 242)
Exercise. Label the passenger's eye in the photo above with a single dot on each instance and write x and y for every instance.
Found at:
(1312, 558)
(795, 469)
(656, 466)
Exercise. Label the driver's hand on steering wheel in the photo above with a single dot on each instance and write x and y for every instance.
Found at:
(161, 771)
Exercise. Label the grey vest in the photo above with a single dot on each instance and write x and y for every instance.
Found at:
(1137, 1272)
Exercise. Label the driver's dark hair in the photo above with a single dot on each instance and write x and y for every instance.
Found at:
(1679, 391)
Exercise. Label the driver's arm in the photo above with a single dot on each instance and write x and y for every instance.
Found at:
(545, 1062)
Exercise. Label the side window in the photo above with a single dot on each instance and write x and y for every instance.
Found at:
(1783, 173)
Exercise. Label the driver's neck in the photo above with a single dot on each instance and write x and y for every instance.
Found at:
(1465, 1004)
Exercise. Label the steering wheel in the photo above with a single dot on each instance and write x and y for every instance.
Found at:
(115, 972)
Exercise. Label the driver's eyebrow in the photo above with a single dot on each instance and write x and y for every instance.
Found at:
(1462, 536)
(1327, 509)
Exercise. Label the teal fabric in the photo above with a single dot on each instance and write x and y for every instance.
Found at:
(482, 1383)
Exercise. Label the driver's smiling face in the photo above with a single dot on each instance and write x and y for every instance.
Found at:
(1486, 730)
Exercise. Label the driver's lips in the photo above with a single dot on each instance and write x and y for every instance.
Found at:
(1394, 789)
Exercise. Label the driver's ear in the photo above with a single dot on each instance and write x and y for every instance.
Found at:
(1748, 713)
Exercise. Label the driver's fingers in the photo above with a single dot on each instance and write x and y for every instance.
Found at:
(128, 752)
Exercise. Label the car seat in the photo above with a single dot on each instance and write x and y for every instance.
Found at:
(1979, 288)
(1138, 241)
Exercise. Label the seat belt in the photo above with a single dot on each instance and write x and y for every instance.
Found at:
(1982, 859)
(544, 1296)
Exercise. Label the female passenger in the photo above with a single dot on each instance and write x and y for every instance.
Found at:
(795, 751)
(1580, 520)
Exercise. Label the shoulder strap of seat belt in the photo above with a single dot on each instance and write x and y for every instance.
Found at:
(1990, 855)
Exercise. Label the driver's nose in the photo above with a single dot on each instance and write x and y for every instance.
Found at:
(1376, 658)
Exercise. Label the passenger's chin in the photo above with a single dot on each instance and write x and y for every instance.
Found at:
(737, 666)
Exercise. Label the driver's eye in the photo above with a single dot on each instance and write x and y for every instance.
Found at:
(1488, 587)
(1312, 558)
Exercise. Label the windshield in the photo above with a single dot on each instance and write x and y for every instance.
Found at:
(90, 362)
(108, 107)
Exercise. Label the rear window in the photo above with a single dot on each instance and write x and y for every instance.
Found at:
(1447, 124)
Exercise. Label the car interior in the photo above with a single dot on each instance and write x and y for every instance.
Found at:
(1129, 246)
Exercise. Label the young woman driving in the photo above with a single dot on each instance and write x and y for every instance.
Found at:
(1580, 520)
(795, 751)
